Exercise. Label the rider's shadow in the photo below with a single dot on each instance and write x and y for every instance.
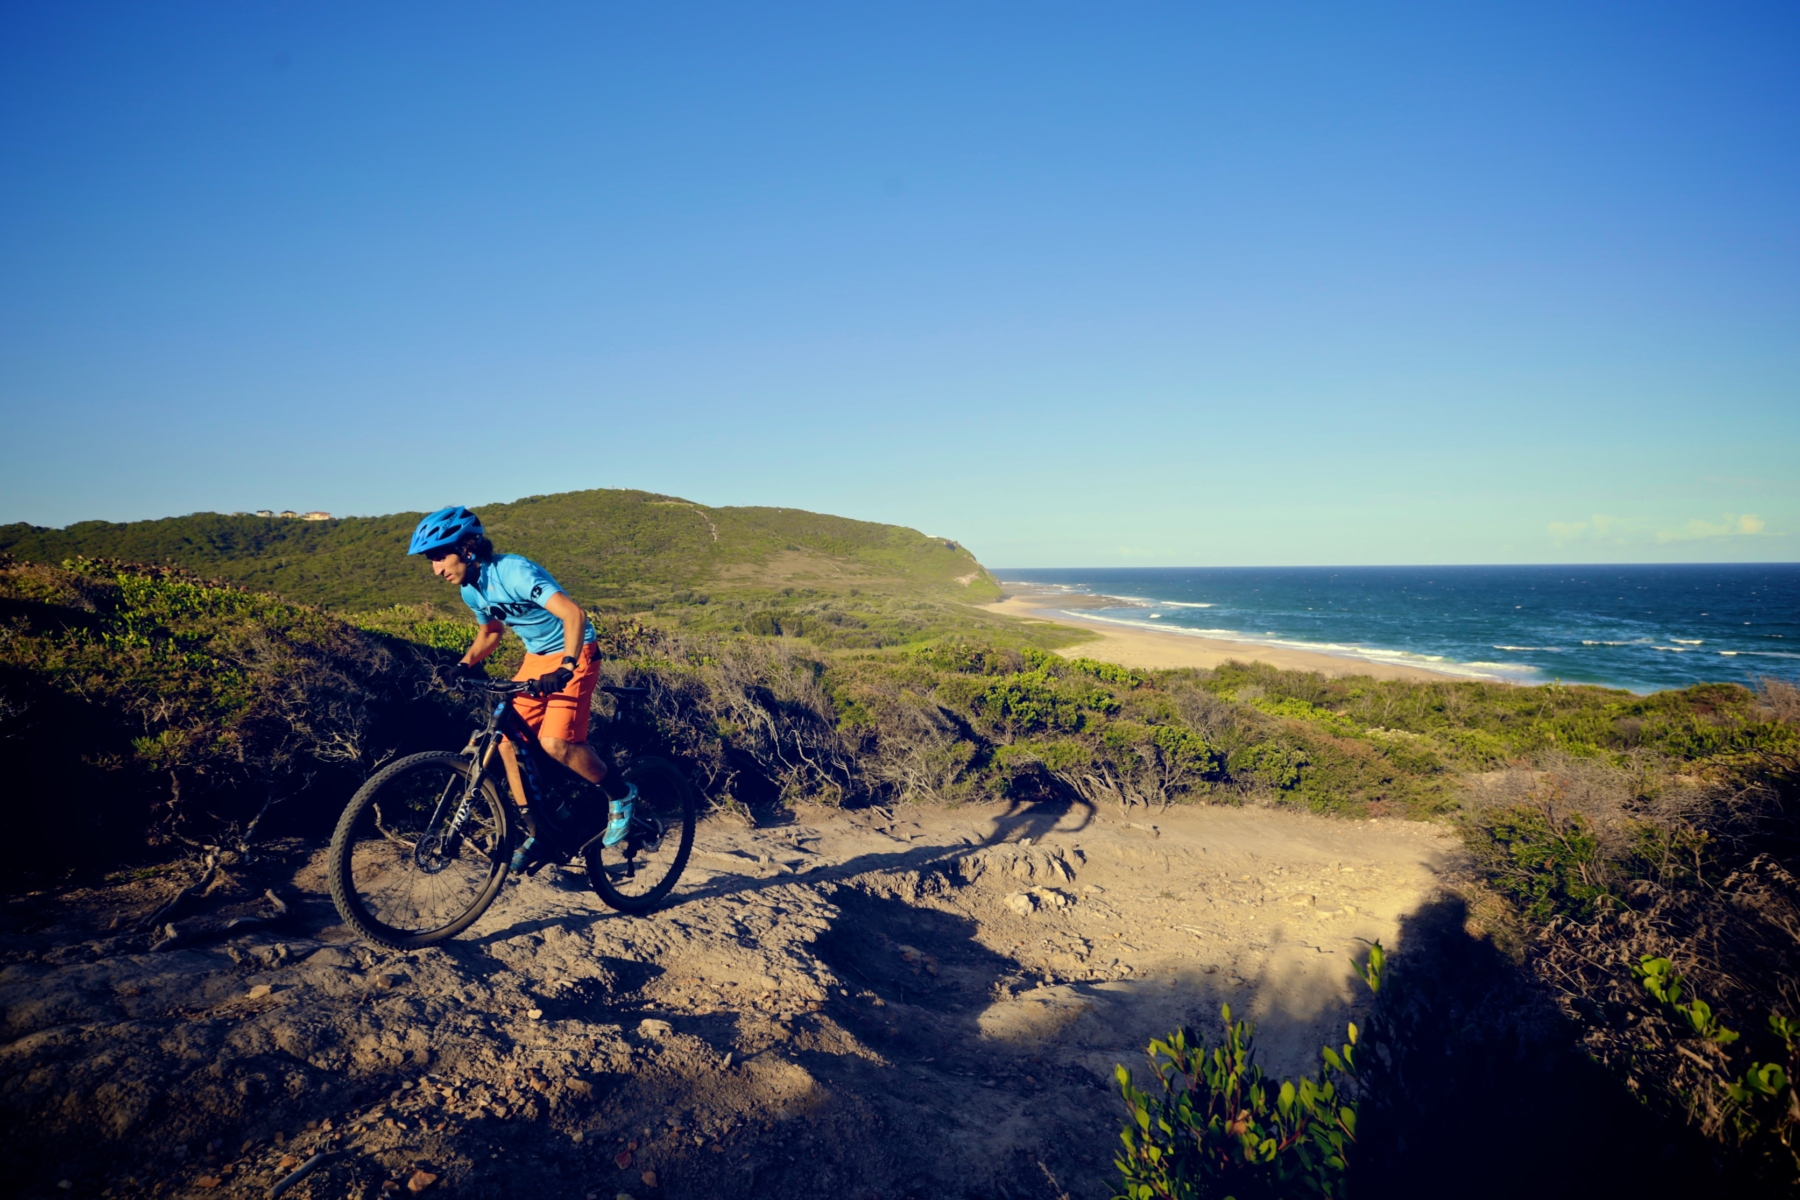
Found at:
(475, 953)
(615, 991)
(1062, 813)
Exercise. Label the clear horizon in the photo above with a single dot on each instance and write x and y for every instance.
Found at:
(1075, 286)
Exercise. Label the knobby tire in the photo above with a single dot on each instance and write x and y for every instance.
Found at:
(373, 869)
(666, 793)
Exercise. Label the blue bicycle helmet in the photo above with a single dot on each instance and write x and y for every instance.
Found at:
(444, 528)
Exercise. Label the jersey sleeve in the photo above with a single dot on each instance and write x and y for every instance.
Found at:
(528, 581)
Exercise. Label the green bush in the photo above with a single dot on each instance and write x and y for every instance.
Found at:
(162, 707)
(1753, 1104)
(1548, 863)
(1211, 1124)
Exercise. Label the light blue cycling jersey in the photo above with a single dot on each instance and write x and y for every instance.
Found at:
(513, 589)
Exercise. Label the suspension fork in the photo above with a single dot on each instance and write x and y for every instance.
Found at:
(465, 800)
(482, 747)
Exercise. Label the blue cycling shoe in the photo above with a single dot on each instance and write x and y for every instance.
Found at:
(620, 813)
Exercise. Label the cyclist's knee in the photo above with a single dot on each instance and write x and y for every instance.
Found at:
(555, 747)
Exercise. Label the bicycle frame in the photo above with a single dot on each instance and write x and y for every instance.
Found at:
(522, 768)
(483, 747)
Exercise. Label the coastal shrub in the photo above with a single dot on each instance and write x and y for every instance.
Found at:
(1211, 1124)
(1742, 1091)
(753, 720)
(951, 718)
(159, 707)
(1678, 844)
(1109, 672)
(1477, 726)
(1027, 702)
(1065, 756)
(1280, 767)
(423, 624)
(1302, 710)
(1547, 862)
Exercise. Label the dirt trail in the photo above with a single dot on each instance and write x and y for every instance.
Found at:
(849, 1004)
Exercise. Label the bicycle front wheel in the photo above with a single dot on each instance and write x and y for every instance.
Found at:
(407, 867)
(635, 875)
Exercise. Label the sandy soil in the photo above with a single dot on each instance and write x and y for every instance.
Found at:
(1150, 649)
(851, 1004)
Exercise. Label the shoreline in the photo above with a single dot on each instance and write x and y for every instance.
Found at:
(1157, 650)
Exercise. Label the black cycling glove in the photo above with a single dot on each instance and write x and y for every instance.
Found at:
(551, 682)
(466, 673)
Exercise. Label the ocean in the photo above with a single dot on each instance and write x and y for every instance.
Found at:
(1643, 628)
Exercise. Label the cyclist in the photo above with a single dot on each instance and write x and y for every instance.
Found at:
(561, 658)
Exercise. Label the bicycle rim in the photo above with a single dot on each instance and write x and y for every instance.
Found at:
(635, 875)
(405, 871)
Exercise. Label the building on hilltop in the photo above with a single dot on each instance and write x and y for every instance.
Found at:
(315, 516)
(289, 513)
(265, 512)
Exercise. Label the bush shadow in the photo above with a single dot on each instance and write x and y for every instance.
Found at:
(1476, 1085)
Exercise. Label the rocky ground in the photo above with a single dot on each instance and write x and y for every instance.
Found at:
(850, 1004)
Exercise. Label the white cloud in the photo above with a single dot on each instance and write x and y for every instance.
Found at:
(1597, 528)
(1734, 525)
(1566, 531)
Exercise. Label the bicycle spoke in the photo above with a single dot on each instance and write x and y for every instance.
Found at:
(410, 873)
(638, 872)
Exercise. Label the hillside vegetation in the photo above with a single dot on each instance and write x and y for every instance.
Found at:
(614, 550)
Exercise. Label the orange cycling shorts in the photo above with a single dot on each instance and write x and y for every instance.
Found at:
(563, 714)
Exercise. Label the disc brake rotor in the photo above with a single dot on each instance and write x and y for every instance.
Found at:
(429, 854)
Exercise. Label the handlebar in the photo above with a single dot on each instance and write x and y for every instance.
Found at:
(495, 687)
(514, 687)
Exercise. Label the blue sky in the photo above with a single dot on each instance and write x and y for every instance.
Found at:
(1078, 284)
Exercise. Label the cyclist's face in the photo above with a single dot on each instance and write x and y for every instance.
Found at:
(451, 567)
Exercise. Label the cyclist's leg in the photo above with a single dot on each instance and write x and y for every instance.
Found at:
(509, 758)
(530, 710)
(562, 727)
(579, 757)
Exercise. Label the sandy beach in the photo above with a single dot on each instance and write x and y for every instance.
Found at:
(1151, 649)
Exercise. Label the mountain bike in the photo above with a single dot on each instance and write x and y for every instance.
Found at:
(427, 842)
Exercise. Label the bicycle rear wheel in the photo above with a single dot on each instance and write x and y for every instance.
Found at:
(635, 875)
(403, 872)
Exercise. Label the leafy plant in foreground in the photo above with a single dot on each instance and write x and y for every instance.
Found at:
(1760, 1107)
(1213, 1125)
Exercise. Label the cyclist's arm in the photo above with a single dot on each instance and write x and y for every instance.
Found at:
(486, 638)
(573, 619)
